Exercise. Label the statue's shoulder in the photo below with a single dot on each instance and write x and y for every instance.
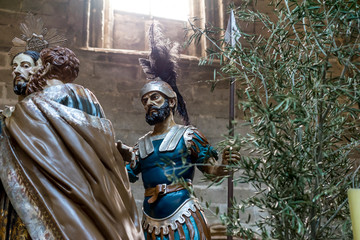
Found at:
(79, 89)
(189, 130)
(144, 146)
(193, 134)
(170, 140)
(147, 135)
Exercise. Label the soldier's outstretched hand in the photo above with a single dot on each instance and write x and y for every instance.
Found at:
(230, 155)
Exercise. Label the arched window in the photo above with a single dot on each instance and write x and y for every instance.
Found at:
(170, 9)
(122, 24)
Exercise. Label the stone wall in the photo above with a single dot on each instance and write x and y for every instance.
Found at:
(115, 77)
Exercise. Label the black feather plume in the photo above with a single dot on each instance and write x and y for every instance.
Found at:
(162, 63)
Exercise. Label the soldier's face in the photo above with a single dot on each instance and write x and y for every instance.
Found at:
(152, 101)
(156, 106)
(22, 66)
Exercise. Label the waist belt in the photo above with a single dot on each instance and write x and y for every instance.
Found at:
(163, 189)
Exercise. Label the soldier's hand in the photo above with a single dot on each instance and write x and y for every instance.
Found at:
(230, 155)
(125, 151)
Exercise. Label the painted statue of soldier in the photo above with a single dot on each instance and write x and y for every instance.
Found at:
(167, 156)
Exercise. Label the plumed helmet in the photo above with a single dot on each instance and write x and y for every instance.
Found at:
(158, 85)
(160, 69)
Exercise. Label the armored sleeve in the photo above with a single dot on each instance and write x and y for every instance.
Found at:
(199, 148)
(133, 168)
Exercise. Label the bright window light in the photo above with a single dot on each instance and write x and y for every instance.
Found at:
(172, 9)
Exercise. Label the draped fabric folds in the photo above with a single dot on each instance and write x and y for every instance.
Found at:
(62, 172)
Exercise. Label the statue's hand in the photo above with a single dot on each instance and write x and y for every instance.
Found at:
(230, 155)
(125, 151)
(6, 113)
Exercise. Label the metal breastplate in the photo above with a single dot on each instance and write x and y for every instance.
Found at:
(169, 143)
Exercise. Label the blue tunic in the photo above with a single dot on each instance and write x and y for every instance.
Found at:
(166, 167)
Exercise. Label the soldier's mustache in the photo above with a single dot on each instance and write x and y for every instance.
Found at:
(153, 108)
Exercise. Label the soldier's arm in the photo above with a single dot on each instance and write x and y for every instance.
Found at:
(206, 157)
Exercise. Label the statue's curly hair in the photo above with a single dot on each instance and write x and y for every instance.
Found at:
(64, 66)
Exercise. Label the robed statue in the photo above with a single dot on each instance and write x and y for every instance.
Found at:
(60, 166)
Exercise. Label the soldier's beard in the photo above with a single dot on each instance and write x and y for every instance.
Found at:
(159, 115)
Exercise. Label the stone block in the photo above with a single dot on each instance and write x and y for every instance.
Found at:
(58, 21)
(102, 82)
(75, 9)
(218, 194)
(2, 90)
(32, 6)
(45, 7)
(5, 76)
(216, 197)
(55, 8)
(209, 125)
(4, 61)
(115, 106)
(64, 1)
(124, 125)
(129, 31)
(7, 96)
(218, 109)
(10, 18)
(131, 137)
(13, 5)
(109, 71)
(134, 121)
(8, 32)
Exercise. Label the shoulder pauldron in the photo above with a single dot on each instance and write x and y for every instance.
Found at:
(169, 143)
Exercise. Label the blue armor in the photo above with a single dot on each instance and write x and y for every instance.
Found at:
(162, 161)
